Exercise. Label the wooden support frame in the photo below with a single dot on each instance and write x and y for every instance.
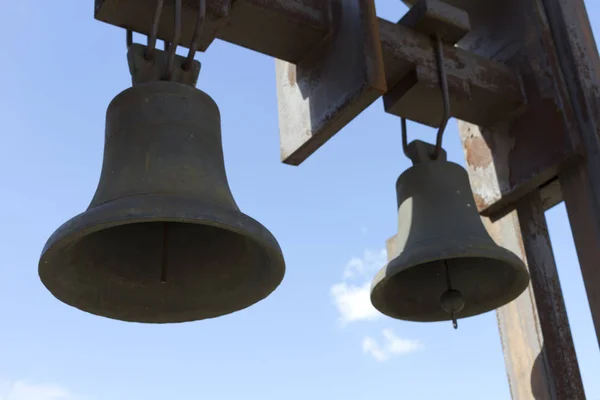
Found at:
(482, 91)
(580, 65)
(524, 78)
(513, 164)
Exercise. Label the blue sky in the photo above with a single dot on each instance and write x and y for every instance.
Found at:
(316, 336)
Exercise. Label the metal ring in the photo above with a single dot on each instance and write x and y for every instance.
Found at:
(175, 42)
(439, 55)
(154, 32)
(199, 25)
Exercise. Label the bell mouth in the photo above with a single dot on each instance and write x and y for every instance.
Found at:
(486, 280)
(169, 260)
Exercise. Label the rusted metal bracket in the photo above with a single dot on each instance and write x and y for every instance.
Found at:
(299, 32)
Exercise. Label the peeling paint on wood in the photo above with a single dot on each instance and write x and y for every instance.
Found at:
(556, 370)
(580, 67)
(529, 47)
(508, 163)
(482, 91)
(332, 84)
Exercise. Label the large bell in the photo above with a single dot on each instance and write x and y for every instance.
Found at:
(163, 239)
(448, 266)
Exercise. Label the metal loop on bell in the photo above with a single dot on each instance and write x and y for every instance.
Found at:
(154, 32)
(439, 56)
(170, 47)
(197, 32)
(173, 45)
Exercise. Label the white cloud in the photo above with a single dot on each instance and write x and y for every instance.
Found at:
(366, 266)
(353, 302)
(353, 299)
(392, 346)
(22, 390)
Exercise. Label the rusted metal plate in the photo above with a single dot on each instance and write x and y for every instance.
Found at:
(482, 91)
(137, 15)
(527, 151)
(333, 84)
(284, 29)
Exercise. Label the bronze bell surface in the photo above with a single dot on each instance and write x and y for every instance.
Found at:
(448, 266)
(163, 239)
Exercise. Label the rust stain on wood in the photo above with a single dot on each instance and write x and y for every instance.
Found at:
(477, 152)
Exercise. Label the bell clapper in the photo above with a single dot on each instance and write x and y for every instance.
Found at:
(451, 300)
(164, 253)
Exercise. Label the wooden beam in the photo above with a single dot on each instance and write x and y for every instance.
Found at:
(511, 166)
(284, 29)
(580, 67)
(528, 151)
(137, 15)
(482, 91)
(333, 84)
(555, 372)
(300, 32)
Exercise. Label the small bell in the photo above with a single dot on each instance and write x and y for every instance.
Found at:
(448, 266)
(163, 239)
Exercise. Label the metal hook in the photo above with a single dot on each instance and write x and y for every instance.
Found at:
(175, 42)
(404, 137)
(199, 26)
(129, 38)
(439, 55)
